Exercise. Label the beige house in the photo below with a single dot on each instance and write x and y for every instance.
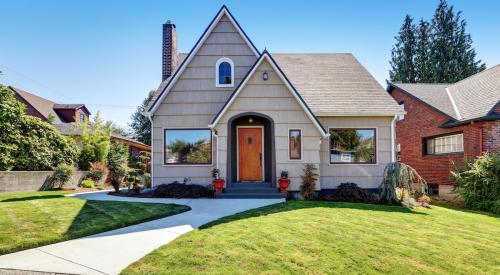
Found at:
(254, 114)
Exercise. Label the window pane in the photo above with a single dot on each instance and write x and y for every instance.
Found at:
(402, 106)
(445, 144)
(352, 146)
(225, 73)
(295, 144)
(188, 146)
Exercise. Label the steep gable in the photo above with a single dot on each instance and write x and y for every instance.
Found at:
(222, 38)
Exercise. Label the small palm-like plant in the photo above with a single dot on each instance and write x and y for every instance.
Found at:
(400, 177)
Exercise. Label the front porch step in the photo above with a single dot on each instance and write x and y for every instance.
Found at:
(251, 190)
(275, 195)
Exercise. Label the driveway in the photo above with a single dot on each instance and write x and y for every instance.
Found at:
(112, 251)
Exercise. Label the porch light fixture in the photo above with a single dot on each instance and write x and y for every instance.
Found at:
(250, 120)
(265, 76)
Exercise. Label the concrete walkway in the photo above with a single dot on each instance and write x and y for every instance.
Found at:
(112, 251)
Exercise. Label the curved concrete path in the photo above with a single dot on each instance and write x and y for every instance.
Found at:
(112, 251)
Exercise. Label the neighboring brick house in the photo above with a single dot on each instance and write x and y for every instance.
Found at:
(447, 122)
(48, 110)
(64, 116)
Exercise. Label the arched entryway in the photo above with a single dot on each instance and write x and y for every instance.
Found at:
(251, 134)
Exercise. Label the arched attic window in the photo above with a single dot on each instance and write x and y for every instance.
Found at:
(224, 73)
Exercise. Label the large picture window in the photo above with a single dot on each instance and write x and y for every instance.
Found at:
(352, 146)
(444, 144)
(295, 144)
(188, 146)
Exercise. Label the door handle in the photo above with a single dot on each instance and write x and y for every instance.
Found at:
(260, 158)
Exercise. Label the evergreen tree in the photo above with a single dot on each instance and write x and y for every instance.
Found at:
(452, 55)
(403, 54)
(423, 66)
(140, 125)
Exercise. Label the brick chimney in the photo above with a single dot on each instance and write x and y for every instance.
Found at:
(169, 61)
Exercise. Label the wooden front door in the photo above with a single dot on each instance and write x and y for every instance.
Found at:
(250, 154)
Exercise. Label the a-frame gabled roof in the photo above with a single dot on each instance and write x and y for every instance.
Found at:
(223, 11)
(267, 56)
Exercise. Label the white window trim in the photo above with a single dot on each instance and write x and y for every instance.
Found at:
(352, 164)
(301, 145)
(181, 164)
(224, 59)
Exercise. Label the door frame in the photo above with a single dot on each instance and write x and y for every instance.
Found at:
(238, 151)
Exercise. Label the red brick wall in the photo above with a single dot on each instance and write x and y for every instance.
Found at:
(491, 136)
(423, 121)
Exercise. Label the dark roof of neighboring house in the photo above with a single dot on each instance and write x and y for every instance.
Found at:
(46, 107)
(329, 83)
(469, 99)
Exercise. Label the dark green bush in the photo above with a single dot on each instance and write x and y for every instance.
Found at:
(62, 174)
(478, 183)
(309, 179)
(349, 192)
(117, 163)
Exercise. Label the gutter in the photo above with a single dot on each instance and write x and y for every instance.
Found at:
(393, 138)
(214, 134)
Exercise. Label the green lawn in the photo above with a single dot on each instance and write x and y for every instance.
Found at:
(37, 218)
(325, 237)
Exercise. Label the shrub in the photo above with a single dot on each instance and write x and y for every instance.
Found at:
(309, 179)
(215, 174)
(87, 183)
(11, 111)
(147, 180)
(374, 198)
(349, 192)
(399, 181)
(179, 190)
(284, 174)
(97, 171)
(62, 174)
(117, 163)
(478, 183)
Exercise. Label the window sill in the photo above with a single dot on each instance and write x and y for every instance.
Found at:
(224, 86)
(445, 155)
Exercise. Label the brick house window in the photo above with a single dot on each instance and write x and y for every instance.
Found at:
(353, 146)
(447, 144)
(402, 106)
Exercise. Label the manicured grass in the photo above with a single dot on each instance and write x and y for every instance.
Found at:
(37, 218)
(325, 237)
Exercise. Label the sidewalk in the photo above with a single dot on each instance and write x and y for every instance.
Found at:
(112, 251)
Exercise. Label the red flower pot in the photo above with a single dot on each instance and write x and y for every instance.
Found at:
(218, 184)
(284, 183)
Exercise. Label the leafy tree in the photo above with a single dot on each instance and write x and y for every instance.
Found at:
(28, 143)
(11, 112)
(403, 54)
(42, 147)
(140, 125)
(95, 142)
(439, 52)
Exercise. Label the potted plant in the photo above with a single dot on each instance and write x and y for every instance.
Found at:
(284, 181)
(217, 181)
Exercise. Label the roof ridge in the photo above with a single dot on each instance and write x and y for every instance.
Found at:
(421, 83)
(313, 53)
(471, 76)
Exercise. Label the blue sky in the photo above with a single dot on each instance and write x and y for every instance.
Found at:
(107, 54)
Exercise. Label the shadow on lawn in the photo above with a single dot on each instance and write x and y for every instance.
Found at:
(297, 205)
(32, 198)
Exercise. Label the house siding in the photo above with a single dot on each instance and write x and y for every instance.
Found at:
(423, 121)
(273, 99)
(194, 100)
(364, 175)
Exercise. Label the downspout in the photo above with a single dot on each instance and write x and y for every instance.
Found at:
(150, 117)
(217, 149)
(393, 138)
